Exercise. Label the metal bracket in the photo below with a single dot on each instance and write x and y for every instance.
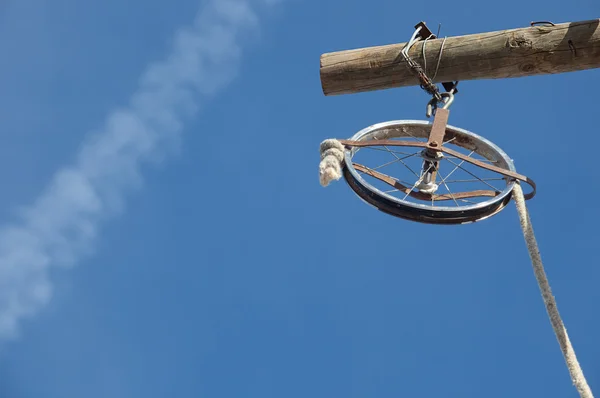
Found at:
(425, 32)
(438, 129)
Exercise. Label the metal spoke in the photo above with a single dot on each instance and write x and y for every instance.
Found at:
(400, 160)
(395, 161)
(450, 140)
(418, 182)
(456, 168)
(416, 138)
(462, 168)
(387, 150)
(481, 160)
(450, 192)
(483, 179)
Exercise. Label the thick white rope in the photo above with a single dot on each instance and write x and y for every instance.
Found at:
(332, 156)
(557, 324)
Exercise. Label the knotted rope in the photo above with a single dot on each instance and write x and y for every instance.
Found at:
(332, 156)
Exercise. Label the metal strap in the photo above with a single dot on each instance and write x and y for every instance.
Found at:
(499, 170)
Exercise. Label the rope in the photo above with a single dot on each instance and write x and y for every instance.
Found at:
(332, 156)
(557, 324)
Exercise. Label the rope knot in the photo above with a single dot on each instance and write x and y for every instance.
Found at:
(332, 156)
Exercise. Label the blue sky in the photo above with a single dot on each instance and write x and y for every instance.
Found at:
(164, 232)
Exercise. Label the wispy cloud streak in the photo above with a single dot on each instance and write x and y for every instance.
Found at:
(62, 223)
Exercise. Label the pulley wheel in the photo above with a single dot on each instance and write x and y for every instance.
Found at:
(418, 184)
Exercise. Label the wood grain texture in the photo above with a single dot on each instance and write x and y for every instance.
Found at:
(529, 51)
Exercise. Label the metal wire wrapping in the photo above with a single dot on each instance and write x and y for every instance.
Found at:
(426, 83)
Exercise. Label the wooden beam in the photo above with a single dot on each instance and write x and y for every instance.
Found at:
(529, 51)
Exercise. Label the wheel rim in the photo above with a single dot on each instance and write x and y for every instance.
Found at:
(404, 206)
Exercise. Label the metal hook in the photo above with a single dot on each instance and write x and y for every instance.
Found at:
(433, 103)
(546, 23)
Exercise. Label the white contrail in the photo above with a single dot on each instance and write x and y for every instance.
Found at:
(60, 226)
